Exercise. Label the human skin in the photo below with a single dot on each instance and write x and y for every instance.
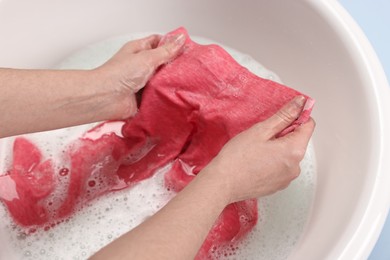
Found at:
(253, 164)
(38, 100)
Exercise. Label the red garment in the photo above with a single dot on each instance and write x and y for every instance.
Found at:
(200, 101)
(190, 109)
(34, 181)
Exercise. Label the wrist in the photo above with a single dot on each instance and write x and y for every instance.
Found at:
(119, 103)
(210, 180)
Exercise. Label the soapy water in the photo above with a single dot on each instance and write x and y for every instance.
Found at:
(282, 216)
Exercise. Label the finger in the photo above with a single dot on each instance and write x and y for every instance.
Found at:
(284, 117)
(166, 52)
(301, 136)
(143, 44)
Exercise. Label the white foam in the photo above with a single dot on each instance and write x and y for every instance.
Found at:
(97, 224)
(282, 218)
(282, 215)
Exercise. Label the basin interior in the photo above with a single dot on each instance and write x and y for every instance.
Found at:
(292, 38)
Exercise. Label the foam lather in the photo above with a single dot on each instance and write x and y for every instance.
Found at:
(190, 108)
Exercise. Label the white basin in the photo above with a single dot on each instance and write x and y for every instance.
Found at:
(313, 45)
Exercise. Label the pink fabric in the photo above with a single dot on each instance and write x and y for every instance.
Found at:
(34, 181)
(190, 109)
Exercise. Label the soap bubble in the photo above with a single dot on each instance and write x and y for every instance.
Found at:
(281, 216)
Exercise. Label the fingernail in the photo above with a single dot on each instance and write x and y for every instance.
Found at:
(178, 39)
(309, 104)
(300, 101)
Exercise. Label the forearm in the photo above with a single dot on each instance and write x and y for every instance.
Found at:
(178, 230)
(37, 100)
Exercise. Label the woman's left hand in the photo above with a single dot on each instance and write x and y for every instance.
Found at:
(133, 65)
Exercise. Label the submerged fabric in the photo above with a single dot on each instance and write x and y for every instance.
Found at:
(190, 108)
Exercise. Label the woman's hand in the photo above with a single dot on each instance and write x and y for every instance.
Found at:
(252, 164)
(133, 65)
(255, 163)
(39, 100)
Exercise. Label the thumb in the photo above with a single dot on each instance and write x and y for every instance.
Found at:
(284, 117)
(169, 50)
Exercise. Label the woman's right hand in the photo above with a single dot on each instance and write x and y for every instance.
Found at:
(255, 163)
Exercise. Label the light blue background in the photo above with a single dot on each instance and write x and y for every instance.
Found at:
(373, 16)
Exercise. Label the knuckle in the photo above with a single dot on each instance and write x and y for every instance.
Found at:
(297, 154)
(263, 129)
(129, 46)
(137, 44)
(284, 185)
(295, 173)
(146, 62)
(129, 109)
(285, 116)
(313, 122)
(292, 171)
(166, 51)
